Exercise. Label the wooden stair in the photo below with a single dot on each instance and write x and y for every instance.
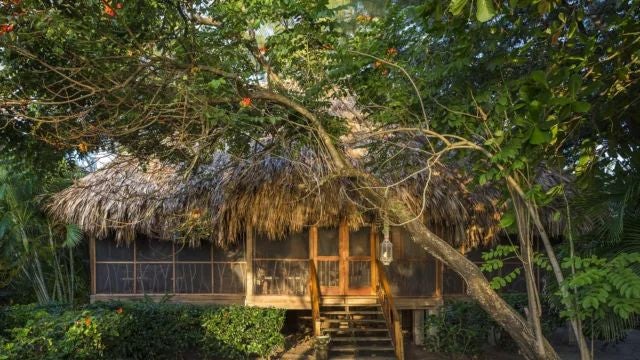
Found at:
(357, 332)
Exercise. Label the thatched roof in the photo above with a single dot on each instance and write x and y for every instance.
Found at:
(273, 195)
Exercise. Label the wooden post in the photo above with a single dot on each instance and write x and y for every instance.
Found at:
(92, 261)
(249, 259)
(418, 327)
(343, 241)
(374, 258)
(439, 268)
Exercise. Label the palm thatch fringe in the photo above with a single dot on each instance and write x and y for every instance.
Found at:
(274, 195)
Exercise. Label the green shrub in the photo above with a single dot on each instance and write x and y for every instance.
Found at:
(462, 327)
(141, 330)
(137, 330)
(71, 334)
(237, 332)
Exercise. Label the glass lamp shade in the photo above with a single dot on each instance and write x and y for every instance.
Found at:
(386, 252)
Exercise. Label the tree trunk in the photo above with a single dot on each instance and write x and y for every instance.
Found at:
(478, 286)
(526, 253)
(576, 324)
(480, 290)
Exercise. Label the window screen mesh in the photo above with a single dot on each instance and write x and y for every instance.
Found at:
(154, 278)
(114, 278)
(193, 278)
(229, 278)
(108, 250)
(185, 252)
(292, 246)
(151, 270)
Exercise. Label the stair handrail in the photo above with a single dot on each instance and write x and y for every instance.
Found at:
(314, 292)
(389, 310)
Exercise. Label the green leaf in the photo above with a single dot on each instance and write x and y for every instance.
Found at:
(507, 220)
(216, 83)
(581, 106)
(485, 10)
(540, 77)
(539, 136)
(73, 236)
(575, 81)
(457, 6)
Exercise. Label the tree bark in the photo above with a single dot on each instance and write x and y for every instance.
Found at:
(527, 253)
(478, 286)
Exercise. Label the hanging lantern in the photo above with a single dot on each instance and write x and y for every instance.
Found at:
(386, 248)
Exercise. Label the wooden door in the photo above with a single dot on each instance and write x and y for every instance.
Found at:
(358, 254)
(343, 260)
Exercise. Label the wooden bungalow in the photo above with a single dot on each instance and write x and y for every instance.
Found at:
(270, 232)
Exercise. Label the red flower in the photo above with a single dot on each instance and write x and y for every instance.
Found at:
(245, 102)
(109, 10)
(119, 310)
(6, 28)
(119, 5)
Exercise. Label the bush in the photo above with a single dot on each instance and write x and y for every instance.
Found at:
(462, 327)
(137, 330)
(236, 332)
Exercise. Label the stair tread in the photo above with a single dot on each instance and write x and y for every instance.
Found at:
(354, 329)
(357, 306)
(355, 312)
(361, 348)
(377, 321)
(361, 338)
(350, 357)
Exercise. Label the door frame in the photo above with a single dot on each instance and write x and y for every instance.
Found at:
(343, 258)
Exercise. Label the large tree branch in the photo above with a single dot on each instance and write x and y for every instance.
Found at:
(205, 20)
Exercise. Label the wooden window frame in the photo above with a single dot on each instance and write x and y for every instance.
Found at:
(135, 262)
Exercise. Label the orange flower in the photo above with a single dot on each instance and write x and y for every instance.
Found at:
(83, 147)
(6, 28)
(87, 321)
(119, 310)
(245, 102)
(196, 213)
(363, 18)
(392, 51)
(109, 10)
(377, 64)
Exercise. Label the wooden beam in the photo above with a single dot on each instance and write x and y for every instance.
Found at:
(249, 247)
(92, 263)
(343, 241)
(418, 327)
(374, 257)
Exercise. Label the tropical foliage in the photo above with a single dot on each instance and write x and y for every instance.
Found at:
(505, 91)
(35, 251)
(139, 331)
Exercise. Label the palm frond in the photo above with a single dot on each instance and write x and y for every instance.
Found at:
(73, 236)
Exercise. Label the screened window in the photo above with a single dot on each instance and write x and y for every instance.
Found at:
(150, 266)
(281, 266)
(413, 270)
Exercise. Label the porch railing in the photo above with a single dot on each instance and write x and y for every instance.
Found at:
(314, 291)
(391, 315)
